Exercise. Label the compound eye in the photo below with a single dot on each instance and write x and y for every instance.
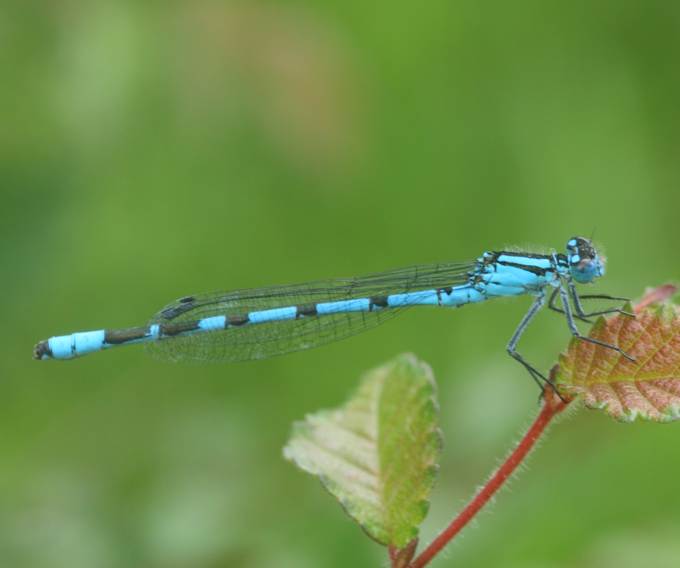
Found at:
(586, 250)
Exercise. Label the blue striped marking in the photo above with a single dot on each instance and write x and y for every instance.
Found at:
(277, 314)
(213, 323)
(345, 306)
(422, 298)
(66, 347)
(494, 290)
(61, 347)
(516, 278)
(543, 263)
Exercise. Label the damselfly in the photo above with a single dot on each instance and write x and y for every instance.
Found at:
(264, 322)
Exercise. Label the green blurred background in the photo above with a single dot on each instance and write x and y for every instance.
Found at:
(152, 150)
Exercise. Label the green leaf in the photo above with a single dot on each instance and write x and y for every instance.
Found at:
(377, 454)
(649, 387)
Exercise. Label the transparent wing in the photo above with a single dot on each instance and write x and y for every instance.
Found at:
(260, 341)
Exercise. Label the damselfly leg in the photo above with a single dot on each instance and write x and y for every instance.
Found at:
(566, 309)
(578, 312)
(577, 303)
(539, 378)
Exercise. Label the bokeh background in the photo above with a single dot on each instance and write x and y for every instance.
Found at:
(152, 150)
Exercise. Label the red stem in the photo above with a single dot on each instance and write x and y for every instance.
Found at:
(394, 555)
(401, 558)
(552, 406)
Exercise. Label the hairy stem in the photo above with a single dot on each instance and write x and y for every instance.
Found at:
(551, 407)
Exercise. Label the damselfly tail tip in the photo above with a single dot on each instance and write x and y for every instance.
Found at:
(42, 351)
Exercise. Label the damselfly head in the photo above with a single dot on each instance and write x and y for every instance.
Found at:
(584, 262)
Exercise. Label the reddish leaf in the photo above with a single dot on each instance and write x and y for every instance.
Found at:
(647, 388)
